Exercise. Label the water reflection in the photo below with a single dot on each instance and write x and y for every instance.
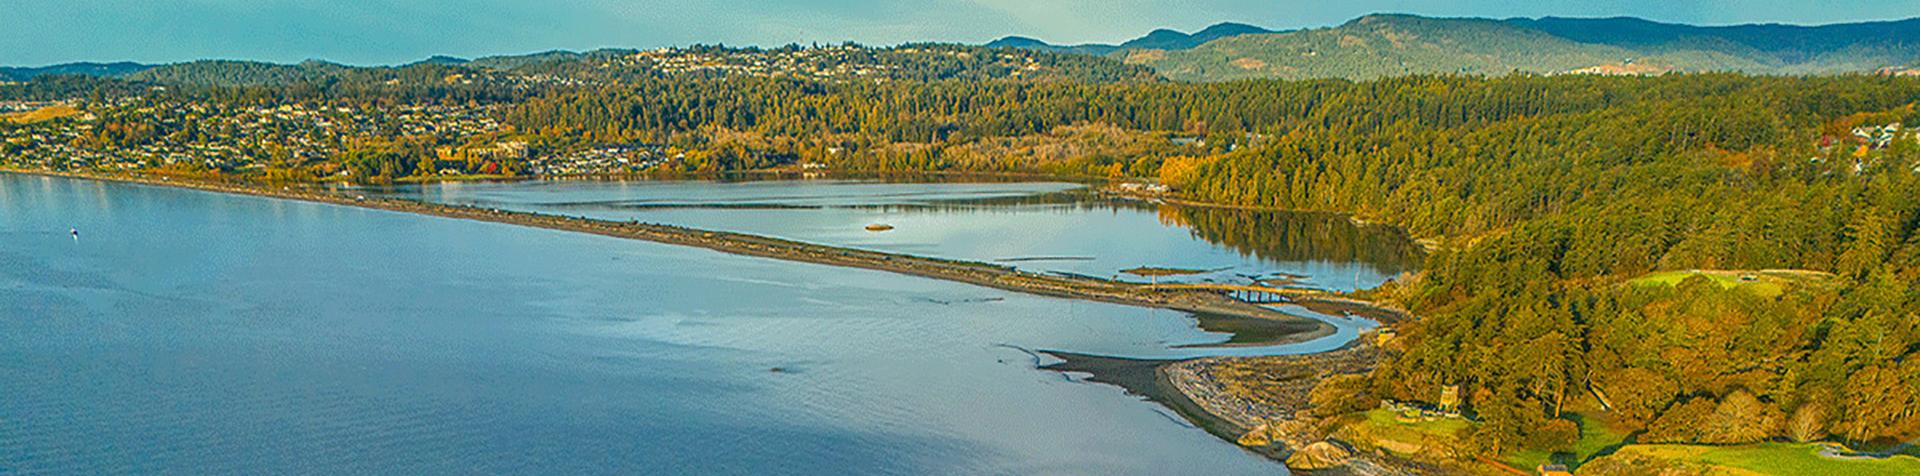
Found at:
(1048, 227)
(1270, 235)
(1298, 236)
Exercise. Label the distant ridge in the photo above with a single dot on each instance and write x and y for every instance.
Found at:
(1786, 43)
(442, 60)
(1161, 39)
(1372, 46)
(1394, 45)
(83, 68)
(909, 62)
(1164, 39)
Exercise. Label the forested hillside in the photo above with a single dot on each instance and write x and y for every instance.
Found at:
(1554, 213)
(1549, 196)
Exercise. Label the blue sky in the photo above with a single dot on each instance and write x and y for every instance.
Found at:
(391, 31)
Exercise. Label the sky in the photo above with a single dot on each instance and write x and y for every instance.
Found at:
(39, 32)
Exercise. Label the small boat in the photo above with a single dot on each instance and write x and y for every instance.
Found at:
(879, 227)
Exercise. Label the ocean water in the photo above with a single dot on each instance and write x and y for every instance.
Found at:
(185, 332)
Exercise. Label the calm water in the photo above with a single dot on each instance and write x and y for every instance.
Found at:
(1053, 227)
(187, 332)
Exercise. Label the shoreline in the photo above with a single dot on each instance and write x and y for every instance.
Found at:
(982, 274)
(1167, 382)
(1190, 389)
(1150, 380)
(1273, 421)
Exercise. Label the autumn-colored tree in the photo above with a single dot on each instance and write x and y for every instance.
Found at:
(1809, 423)
(1880, 402)
(1341, 394)
(1740, 418)
(1637, 395)
(1683, 423)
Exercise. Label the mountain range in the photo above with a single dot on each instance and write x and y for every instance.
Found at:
(1390, 45)
(1372, 46)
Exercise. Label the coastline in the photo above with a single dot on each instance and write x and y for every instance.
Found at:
(1195, 397)
(982, 274)
(1261, 403)
(1149, 379)
(1269, 426)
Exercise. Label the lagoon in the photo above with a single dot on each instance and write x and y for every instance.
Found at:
(1038, 226)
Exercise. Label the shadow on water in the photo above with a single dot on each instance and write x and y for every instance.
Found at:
(1141, 377)
(1250, 331)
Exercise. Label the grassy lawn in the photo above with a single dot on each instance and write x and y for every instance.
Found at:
(1761, 284)
(1387, 419)
(1777, 458)
(1595, 436)
(1385, 429)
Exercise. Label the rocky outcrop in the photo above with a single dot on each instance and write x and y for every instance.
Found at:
(1263, 397)
(1320, 455)
(1252, 391)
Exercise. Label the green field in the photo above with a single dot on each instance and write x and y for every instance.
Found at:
(1777, 458)
(1760, 283)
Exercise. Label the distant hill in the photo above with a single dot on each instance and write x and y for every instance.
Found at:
(1164, 39)
(1391, 45)
(1161, 39)
(442, 60)
(238, 73)
(87, 69)
(911, 62)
